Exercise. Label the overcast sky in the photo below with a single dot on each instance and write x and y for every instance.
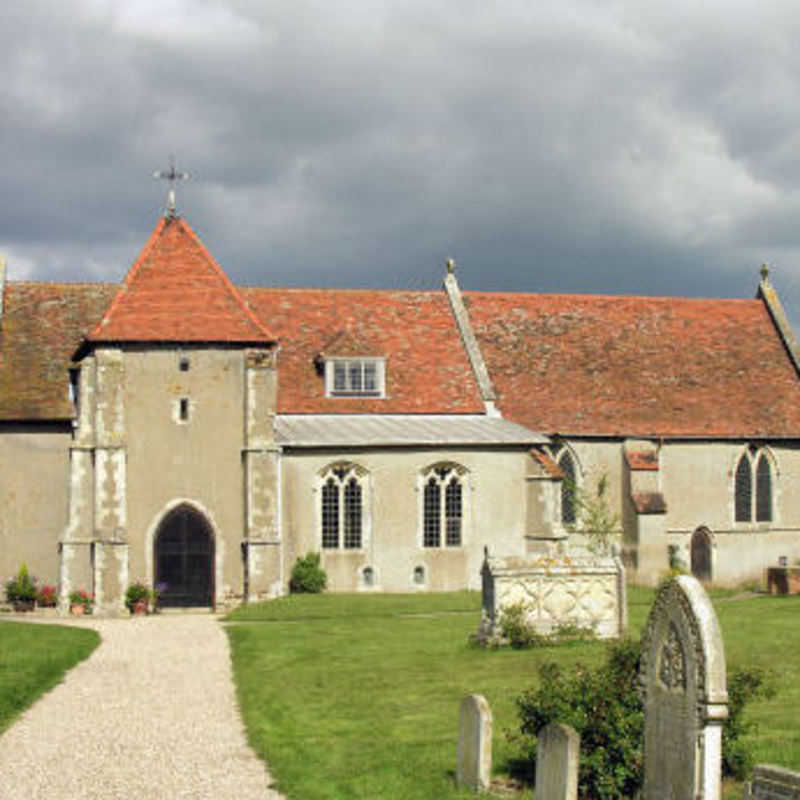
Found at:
(625, 148)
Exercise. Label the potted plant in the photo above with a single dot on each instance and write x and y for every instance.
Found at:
(21, 590)
(137, 597)
(46, 597)
(80, 602)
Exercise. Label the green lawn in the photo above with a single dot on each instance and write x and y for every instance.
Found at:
(33, 659)
(357, 696)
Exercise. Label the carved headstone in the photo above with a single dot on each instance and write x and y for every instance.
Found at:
(685, 697)
(557, 753)
(474, 743)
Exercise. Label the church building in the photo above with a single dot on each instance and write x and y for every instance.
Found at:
(179, 430)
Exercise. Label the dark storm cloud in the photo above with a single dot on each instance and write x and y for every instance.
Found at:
(625, 148)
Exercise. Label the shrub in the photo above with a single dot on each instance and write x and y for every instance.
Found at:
(46, 596)
(744, 685)
(21, 588)
(307, 575)
(135, 593)
(604, 707)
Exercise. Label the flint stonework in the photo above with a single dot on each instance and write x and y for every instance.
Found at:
(557, 754)
(685, 697)
(474, 744)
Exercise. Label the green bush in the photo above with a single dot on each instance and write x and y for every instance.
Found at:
(744, 685)
(603, 705)
(21, 588)
(308, 576)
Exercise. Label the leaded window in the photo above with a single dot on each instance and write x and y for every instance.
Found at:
(443, 506)
(763, 490)
(342, 507)
(753, 487)
(568, 500)
(744, 490)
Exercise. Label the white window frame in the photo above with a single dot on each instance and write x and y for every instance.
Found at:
(349, 364)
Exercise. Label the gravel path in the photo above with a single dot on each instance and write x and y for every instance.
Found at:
(151, 713)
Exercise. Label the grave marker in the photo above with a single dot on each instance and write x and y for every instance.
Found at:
(474, 743)
(557, 753)
(685, 696)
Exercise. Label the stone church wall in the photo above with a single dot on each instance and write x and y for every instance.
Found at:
(696, 480)
(494, 517)
(33, 499)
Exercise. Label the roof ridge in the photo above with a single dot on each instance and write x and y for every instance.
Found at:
(595, 296)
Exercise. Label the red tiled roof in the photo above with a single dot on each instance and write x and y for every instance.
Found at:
(642, 460)
(637, 366)
(176, 292)
(41, 326)
(427, 370)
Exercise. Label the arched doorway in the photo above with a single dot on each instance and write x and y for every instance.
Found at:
(701, 554)
(184, 559)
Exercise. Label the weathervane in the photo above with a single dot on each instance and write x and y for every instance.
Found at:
(171, 176)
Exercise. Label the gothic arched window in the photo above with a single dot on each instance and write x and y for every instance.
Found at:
(443, 506)
(753, 488)
(342, 506)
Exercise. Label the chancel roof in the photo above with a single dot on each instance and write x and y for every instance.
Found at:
(176, 292)
(637, 366)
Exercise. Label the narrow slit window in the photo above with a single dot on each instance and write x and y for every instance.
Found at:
(743, 490)
(183, 410)
(763, 490)
(568, 504)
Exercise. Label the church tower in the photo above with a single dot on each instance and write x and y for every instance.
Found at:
(173, 464)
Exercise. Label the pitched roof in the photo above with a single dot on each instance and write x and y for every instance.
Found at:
(176, 292)
(427, 370)
(41, 326)
(637, 366)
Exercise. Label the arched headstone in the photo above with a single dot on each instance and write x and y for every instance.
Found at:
(685, 694)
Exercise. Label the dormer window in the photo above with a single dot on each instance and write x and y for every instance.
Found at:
(355, 377)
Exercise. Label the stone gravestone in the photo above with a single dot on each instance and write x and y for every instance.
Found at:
(685, 696)
(474, 743)
(557, 753)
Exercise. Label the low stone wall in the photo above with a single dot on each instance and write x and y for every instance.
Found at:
(773, 783)
(555, 591)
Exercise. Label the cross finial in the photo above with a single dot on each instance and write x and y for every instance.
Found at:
(171, 175)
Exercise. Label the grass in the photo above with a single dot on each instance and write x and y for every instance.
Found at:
(356, 696)
(33, 659)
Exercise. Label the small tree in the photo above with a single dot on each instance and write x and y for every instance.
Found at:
(307, 575)
(597, 522)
